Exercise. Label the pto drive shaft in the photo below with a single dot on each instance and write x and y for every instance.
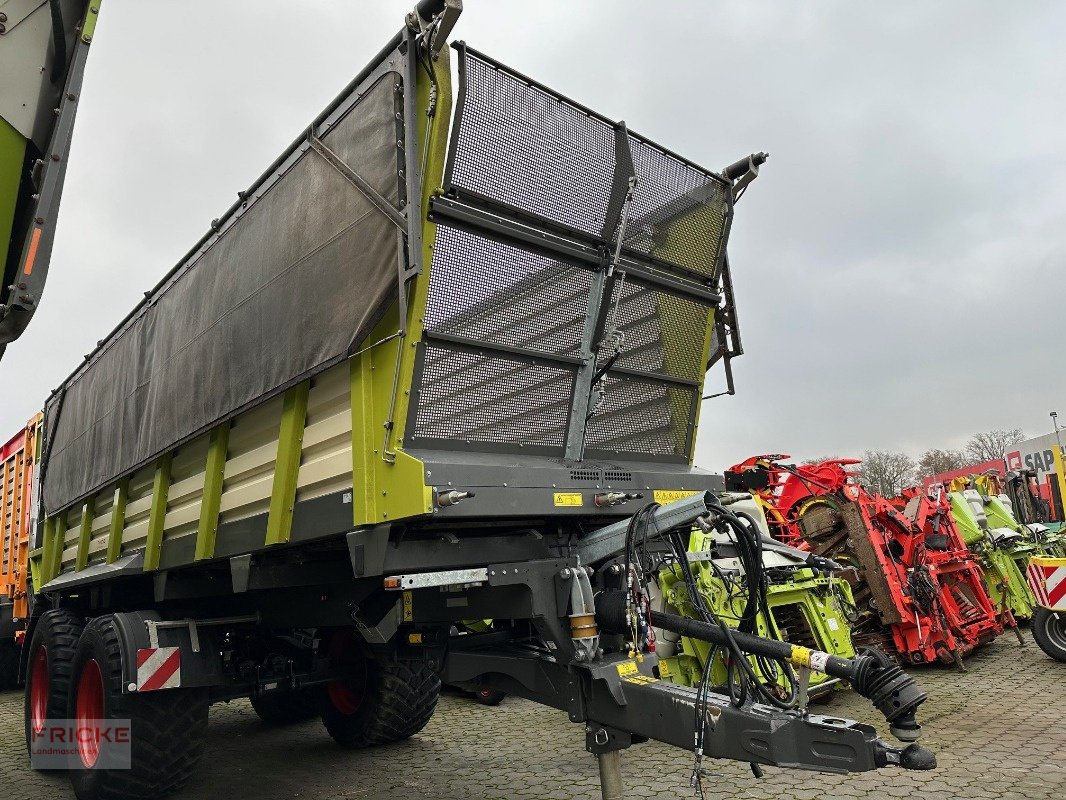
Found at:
(876, 677)
(872, 674)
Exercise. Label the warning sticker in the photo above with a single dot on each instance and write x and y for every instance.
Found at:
(627, 668)
(664, 496)
(568, 499)
(664, 669)
(408, 607)
(640, 679)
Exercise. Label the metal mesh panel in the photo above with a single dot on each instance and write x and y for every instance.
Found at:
(663, 332)
(492, 398)
(522, 145)
(678, 213)
(525, 147)
(642, 416)
(518, 151)
(489, 291)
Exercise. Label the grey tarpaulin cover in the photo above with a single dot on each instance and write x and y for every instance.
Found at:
(284, 290)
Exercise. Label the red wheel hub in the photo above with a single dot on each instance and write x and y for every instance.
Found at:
(89, 711)
(346, 694)
(39, 689)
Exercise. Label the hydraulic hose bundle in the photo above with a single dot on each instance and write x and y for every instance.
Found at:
(872, 674)
(749, 658)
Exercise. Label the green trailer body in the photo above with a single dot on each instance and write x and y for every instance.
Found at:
(421, 372)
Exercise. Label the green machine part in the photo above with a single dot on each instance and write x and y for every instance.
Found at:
(999, 515)
(805, 608)
(12, 154)
(1005, 582)
(1039, 539)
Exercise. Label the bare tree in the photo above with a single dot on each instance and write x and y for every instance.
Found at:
(818, 460)
(991, 445)
(886, 473)
(935, 461)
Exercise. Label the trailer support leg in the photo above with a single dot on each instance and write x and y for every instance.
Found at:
(610, 774)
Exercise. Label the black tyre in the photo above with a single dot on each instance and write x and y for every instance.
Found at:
(1049, 630)
(286, 708)
(48, 674)
(489, 697)
(381, 701)
(166, 727)
(9, 664)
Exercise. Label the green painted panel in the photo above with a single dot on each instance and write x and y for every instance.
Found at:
(12, 153)
(157, 516)
(212, 496)
(88, 25)
(85, 533)
(287, 467)
(118, 521)
(46, 551)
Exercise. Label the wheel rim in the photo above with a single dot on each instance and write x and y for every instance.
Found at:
(346, 694)
(1055, 629)
(89, 710)
(39, 690)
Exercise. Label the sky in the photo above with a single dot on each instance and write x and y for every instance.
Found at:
(898, 264)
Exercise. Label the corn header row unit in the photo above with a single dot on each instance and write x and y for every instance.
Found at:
(918, 590)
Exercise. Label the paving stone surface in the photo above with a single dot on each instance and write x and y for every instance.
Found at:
(998, 732)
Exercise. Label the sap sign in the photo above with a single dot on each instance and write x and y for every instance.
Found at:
(1036, 454)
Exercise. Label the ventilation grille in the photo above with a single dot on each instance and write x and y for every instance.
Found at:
(616, 476)
(585, 475)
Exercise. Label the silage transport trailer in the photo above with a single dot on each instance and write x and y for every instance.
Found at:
(17, 460)
(425, 370)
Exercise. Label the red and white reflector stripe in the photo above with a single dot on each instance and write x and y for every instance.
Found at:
(158, 668)
(1047, 578)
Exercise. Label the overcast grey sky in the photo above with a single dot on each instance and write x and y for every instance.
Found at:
(898, 265)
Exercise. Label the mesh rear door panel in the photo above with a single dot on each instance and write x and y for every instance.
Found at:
(505, 320)
(679, 213)
(491, 399)
(525, 147)
(663, 331)
(642, 416)
(493, 292)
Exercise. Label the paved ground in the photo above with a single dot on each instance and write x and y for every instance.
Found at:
(998, 732)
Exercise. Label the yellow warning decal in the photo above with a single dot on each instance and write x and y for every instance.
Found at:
(640, 679)
(408, 607)
(627, 668)
(568, 499)
(801, 656)
(664, 669)
(664, 496)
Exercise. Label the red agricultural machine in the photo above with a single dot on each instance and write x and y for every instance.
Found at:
(918, 590)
